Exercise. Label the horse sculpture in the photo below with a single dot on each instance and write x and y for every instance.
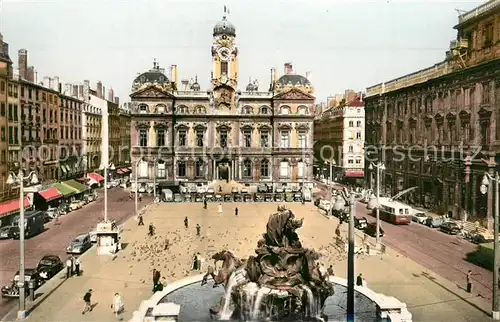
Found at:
(229, 264)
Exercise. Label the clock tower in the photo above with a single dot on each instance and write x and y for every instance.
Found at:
(224, 62)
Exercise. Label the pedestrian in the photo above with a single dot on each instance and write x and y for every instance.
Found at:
(220, 209)
(88, 304)
(359, 280)
(204, 203)
(141, 220)
(69, 267)
(236, 211)
(186, 222)
(151, 229)
(140, 197)
(77, 266)
(117, 306)
(330, 271)
(198, 229)
(198, 260)
(156, 281)
(195, 263)
(469, 281)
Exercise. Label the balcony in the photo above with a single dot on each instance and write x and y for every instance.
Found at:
(478, 11)
(459, 44)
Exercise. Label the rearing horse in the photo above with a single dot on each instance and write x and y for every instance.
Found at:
(229, 264)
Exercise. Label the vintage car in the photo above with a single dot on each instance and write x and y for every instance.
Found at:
(244, 190)
(76, 204)
(289, 196)
(193, 189)
(258, 197)
(360, 223)
(219, 198)
(297, 197)
(168, 195)
(6, 232)
(228, 198)
(279, 197)
(247, 197)
(419, 217)
(268, 197)
(450, 227)
(434, 222)
(198, 197)
(262, 188)
(177, 197)
(79, 245)
(187, 198)
(238, 197)
(371, 230)
(234, 190)
(279, 190)
(30, 276)
(210, 197)
(49, 266)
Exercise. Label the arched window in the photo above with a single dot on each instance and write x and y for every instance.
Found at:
(143, 109)
(264, 110)
(247, 168)
(161, 170)
(247, 110)
(302, 110)
(264, 169)
(285, 110)
(161, 109)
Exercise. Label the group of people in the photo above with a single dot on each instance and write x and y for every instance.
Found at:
(186, 225)
(157, 285)
(117, 304)
(73, 266)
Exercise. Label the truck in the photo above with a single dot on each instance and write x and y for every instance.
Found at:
(33, 224)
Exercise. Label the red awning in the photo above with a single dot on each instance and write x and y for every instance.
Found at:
(95, 176)
(50, 194)
(355, 174)
(119, 172)
(12, 207)
(83, 179)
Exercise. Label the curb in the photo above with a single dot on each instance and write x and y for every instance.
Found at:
(42, 293)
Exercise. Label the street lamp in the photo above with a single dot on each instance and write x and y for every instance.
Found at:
(136, 187)
(19, 179)
(350, 198)
(487, 186)
(380, 167)
(111, 167)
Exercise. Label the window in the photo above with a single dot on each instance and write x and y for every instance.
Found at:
(301, 169)
(143, 137)
(285, 110)
(15, 112)
(2, 87)
(223, 139)
(143, 109)
(3, 134)
(302, 140)
(182, 137)
(160, 137)
(488, 35)
(199, 169)
(350, 161)
(358, 161)
(224, 68)
(10, 112)
(2, 110)
(351, 149)
(247, 138)
(358, 135)
(285, 139)
(11, 137)
(161, 171)
(264, 110)
(247, 110)
(181, 169)
(264, 139)
(302, 110)
(351, 123)
(284, 169)
(486, 93)
(358, 124)
(247, 168)
(199, 137)
(264, 168)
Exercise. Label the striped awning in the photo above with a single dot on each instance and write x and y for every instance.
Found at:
(12, 207)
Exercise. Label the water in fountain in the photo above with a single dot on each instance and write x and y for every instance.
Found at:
(285, 282)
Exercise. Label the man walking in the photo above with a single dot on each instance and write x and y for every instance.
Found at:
(204, 203)
(330, 271)
(117, 306)
(77, 266)
(359, 280)
(469, 281)
(141, 220)
(198, 229)
(236, 211)
(69, 267)
(220, 209)
(87, 299)
(186, 222)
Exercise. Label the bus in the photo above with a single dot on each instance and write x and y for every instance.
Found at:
(394, 212)
(33, 224)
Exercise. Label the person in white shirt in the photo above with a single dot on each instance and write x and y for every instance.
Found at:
(77, 266)
(69, 267)
(117, 306)
(220, 209)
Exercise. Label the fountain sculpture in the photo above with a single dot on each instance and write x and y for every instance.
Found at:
(282, 282)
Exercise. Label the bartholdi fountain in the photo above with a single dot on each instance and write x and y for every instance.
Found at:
(282, 282)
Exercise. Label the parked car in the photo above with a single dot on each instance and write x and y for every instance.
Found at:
(419, 217)
(325, 205)
(371, 230)
(12, 290)
(49, 266)
(481, 239)
(79, 245)
(434, 222)
(52, 212)
(450, 227)
(64, 208)
(75, 205)
(360, 223)
(6, 232)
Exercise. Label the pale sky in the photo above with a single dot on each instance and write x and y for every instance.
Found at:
(345, 44)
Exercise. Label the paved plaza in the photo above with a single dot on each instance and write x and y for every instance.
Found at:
(429, 298)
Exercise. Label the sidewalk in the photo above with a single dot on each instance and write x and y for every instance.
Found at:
(429, 297)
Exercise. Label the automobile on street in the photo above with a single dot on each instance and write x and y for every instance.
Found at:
(49, 266)
(371, 230)
(30, 275)
(450, 227)
(419, 217)
(6, 232)
(79, 245)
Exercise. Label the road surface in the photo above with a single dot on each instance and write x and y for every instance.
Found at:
(56, 238)
(441, 253)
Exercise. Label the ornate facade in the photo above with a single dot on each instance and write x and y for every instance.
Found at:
(181, 133)
(439, 129)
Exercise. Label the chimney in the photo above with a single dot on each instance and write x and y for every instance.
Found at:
(174, 75)
(288, 69)
(117, 100)
(99, 89)
(276, 76)
(103, 95)
(30, 74)
(45, 81)
(67, 89)
(111, 95)
(35, 76)
(308, 76)
(51, 83)
(59, 87)
(80, 91)
(185, 84)
(22, 60)
(56, 83)
(74, 92)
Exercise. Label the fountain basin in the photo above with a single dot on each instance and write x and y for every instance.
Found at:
(195, 301)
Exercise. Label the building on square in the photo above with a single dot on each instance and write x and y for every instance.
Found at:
(339, 141)
(181, 133)
(438, 129)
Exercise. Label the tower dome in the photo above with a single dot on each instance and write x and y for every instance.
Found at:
(195, 86)
(224, 27)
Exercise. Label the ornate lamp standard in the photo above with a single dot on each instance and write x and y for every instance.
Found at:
(380, 167)
(32, 178)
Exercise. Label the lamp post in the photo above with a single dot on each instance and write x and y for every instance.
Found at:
(487, 187)
(380, 167)
(111, 167)
(350, 198)
(332, 163)
(19, 179)
(136, 188)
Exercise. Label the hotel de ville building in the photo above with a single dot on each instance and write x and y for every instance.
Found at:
(445, 122)
(183, 134)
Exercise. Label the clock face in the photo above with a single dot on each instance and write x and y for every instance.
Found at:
(224, 53)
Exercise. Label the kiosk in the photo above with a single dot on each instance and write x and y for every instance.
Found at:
(108, 237)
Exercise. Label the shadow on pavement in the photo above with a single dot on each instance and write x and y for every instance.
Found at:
(466, 300)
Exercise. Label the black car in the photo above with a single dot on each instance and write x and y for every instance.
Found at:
(6, 232)
(49, 266)
(30, 276)
(371, 230)
(450, 227)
